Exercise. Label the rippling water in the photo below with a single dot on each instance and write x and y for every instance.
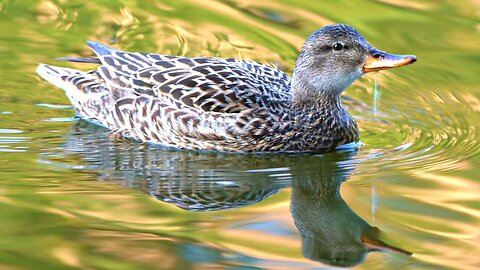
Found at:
(73, 196)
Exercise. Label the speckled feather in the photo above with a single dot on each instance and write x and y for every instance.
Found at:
(199, 103)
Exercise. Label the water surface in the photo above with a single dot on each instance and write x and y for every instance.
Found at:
(73, 196)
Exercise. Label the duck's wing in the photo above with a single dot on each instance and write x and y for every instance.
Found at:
(206, 84)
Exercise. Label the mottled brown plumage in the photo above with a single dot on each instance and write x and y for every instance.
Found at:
(225, 104)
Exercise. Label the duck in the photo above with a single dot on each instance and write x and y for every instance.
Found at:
(226, 104)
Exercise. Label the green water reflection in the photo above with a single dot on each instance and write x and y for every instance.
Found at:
(71, 196)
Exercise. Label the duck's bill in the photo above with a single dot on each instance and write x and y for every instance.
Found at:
(377, 245)
(371, 242)
(379, 60)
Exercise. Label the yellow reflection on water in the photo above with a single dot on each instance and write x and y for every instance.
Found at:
(454, 189)
(67, 255)
(418, 5)
(292, 39)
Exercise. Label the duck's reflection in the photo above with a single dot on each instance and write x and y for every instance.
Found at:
(331, 232)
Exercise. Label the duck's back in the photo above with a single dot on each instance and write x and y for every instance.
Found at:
(199, 103)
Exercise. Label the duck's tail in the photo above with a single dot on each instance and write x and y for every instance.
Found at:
(60, 76)
(85, 90)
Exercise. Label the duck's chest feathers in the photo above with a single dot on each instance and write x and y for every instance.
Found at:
(316, 129)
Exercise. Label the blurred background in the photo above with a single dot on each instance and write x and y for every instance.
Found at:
(72, 196)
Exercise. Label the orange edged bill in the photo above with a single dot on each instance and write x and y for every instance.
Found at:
(378, 60)
(372, 242)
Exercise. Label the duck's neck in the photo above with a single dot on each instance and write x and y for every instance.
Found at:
(314, 94)
(314, 86)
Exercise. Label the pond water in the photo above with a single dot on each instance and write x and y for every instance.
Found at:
(74, 196)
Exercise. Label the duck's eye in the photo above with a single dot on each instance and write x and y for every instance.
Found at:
(337, 46)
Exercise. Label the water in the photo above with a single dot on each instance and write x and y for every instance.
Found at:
(376, 95)
(74, 196)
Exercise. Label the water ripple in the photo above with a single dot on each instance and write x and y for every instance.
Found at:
(445, 140)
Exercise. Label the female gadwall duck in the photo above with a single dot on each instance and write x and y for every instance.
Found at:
(226, 104)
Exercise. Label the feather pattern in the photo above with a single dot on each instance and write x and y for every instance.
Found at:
(198, 103)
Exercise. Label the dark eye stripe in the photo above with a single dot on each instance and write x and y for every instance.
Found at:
(324, 48)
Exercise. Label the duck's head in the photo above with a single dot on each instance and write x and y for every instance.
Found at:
(335, 56)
